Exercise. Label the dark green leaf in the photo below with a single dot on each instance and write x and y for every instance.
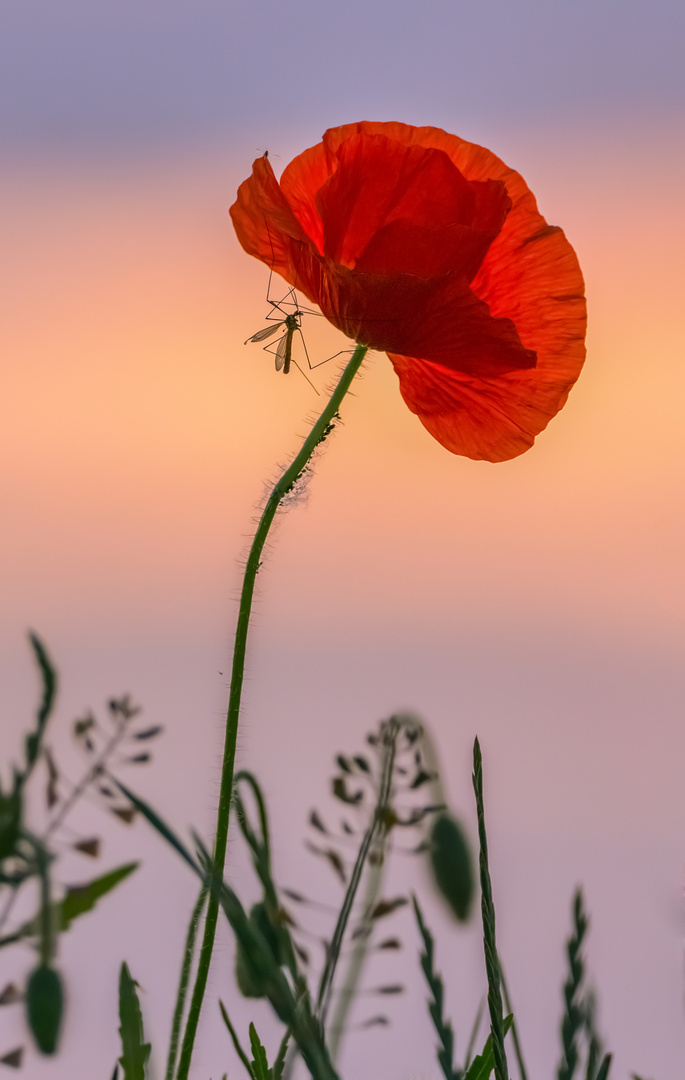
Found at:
(82, 898)
(135, 1052)
(604, 1068)
(452, 865)
(248, 983)
(482, 1066)
(78, 900)
(44, 1007)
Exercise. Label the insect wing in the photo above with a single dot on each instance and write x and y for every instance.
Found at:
(284, 350)
(266, 332)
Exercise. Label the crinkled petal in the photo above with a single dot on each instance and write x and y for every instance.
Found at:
(265, 224)
(497, 418)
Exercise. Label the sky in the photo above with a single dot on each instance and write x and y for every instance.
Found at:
(537, 603)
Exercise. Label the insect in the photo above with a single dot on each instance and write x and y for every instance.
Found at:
(284, 349)
(290, 323)
(286, 316)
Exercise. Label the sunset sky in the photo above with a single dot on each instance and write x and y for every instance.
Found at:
(539, 603)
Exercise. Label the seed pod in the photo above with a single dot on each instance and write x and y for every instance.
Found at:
(249, 982)
(450, 858)
(44, 1007)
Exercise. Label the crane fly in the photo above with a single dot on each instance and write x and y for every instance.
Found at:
(289, 323)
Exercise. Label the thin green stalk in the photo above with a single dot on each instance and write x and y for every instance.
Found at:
(287, 482)
(183, 983)
(488, 912)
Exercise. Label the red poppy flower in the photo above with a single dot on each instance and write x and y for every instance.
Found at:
(419, 244)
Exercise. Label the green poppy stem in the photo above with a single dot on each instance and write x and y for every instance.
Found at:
(287, 482)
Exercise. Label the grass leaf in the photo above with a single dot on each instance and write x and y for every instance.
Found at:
(260, 1064)
(162, 828)
(78, 900)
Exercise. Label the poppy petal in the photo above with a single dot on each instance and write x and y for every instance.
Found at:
(265, 224)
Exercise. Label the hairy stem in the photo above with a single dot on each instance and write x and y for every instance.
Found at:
(287, 482)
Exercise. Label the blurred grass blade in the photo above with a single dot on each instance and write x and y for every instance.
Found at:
(443, 1027)
(574, 1015)
(49, 680)
(236, 1041)
(489, 940)
(135, 1052)
(604, 1068)
(482, 1066)
(163, 829)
